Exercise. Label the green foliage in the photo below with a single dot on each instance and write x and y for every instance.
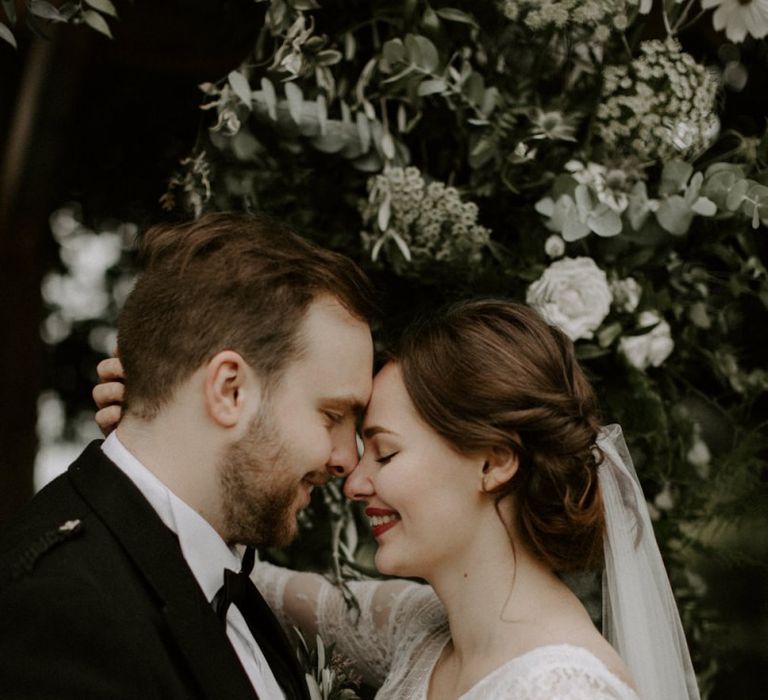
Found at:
(502, 120)
(41, 12)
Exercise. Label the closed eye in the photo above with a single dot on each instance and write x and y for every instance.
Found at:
(334, 417)
(386, 458)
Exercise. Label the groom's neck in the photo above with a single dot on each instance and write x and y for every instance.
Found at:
(180, 453)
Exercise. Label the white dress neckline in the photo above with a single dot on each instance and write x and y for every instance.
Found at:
(530, 657)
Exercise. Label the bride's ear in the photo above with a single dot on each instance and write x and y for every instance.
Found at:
(499, 468)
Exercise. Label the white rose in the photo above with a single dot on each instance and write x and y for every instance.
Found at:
(572, 294)
(626, 294)
(554, 246)
(652, 348)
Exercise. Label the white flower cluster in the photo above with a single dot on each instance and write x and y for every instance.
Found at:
(659, 106)
(574, 294)
(600, 15)
(426, 222)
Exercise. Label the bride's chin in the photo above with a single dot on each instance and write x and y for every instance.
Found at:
(388, 567)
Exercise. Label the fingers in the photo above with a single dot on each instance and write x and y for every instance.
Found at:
(110, 370)
(108, 418)
(107, 394)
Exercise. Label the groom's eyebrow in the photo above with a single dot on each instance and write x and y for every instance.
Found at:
(346, 404)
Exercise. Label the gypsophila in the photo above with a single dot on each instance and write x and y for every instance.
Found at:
(420, 223)
(599, 15)
(660, 106)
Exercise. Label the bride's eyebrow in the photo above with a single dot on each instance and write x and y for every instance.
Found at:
(372, 430)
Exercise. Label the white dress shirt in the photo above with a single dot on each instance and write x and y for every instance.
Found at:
(207, 556)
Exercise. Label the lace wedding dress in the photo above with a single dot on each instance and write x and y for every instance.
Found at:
(397, 637)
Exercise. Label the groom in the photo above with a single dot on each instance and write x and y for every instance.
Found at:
(247, 355)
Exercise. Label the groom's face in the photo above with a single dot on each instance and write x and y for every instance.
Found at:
(305, 430)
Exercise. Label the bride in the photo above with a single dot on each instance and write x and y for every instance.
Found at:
(485, 472)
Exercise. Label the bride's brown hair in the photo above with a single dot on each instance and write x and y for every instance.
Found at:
(493, 373)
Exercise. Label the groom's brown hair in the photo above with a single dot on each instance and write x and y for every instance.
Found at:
(226, 281)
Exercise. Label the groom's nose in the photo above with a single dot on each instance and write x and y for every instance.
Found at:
(344, 454)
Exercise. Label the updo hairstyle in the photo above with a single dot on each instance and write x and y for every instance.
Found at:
(492, 373)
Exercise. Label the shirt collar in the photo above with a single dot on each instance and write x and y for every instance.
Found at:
(204, 551)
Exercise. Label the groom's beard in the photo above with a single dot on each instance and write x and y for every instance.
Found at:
(258, 493)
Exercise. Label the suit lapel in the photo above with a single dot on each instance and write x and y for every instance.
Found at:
(155, 551)
(282, 657)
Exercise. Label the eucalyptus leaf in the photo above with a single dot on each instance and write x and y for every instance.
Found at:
(322, 113)
(9, 6)
(350, 46)
(474, 88)
(639, 209)
(7, 35)
(377, 247)
(94, 20)
(718, 183)
(608, 334)
(387, 145)
(295, 99)
(674, 177)
(328, 57)
(482, 151)
(490, 99)
(589, 351)
(694, 187)
(422, 52)
(240, 86)
(574, 230)
(333, 140)
(603, 221)
(394, 52)
(402, 118)
(674, 215)
(704, 207)
(431, 86)
(430, 21)
(104, 6)
(736, 195)
(545, 206)
(44, 9)
(755, 204)
(406, 71)
(401, 244)
(363, 131)
(270, 97)
(453, 15)
(384, 213)
(346, 112)
(583, 199)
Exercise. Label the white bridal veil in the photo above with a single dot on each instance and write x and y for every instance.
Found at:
(640, 617)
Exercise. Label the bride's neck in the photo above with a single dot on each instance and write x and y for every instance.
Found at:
(490, 592)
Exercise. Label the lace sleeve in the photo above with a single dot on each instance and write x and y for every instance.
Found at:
(308, 601)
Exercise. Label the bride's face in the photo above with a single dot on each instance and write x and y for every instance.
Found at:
(423, 497)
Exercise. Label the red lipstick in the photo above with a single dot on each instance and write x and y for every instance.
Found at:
(382, 519)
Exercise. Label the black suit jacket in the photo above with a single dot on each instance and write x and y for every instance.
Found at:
(97, 601)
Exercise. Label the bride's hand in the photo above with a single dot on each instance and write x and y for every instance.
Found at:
(108, 394)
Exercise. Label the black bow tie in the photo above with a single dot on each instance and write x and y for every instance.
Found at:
(238, 589)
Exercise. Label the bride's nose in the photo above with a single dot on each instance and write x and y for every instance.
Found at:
(358, 485)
